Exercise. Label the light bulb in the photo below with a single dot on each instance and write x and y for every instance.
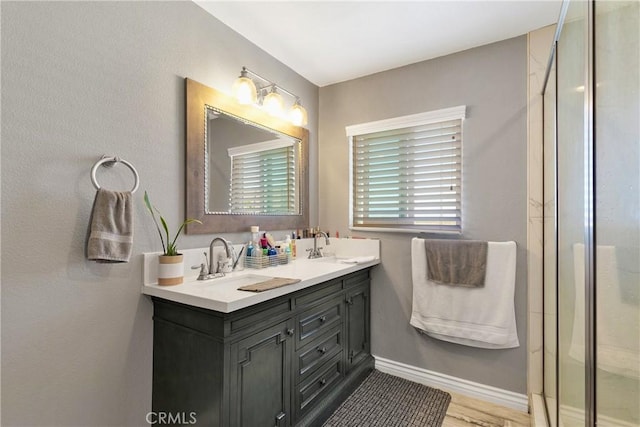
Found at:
(298, 115)
(244, 89)
(273, 103)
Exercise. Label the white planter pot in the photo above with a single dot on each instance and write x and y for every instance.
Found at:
(170, 270)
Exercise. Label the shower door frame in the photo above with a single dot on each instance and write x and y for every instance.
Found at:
(589, 121)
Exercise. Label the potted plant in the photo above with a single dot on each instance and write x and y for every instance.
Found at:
(170, 263)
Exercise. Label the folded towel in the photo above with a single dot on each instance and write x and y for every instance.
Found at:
(358, 259)
(479, 317)
(456, 262)
(276, 282)
(111, 227)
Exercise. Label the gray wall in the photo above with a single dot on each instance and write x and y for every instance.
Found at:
(491, 82)
(79, 80)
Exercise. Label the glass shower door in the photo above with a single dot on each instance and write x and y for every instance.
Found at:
(592, 243)
(550, 337)
(617, 212)
(571, 180)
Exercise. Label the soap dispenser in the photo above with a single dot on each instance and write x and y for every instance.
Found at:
(289, 246)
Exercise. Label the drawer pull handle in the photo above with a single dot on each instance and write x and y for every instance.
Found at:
(290, 331)
(323, 319)
(323, 381)
(322, 350)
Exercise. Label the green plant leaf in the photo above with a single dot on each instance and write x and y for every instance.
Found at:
(150, 208)
(170, 248)
(184, 223)
(166, 230)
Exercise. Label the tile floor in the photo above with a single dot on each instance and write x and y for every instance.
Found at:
(465, 412)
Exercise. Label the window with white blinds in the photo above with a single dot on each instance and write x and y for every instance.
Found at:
(406, 173)
(264, 181)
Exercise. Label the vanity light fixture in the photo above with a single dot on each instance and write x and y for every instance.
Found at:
(298, 115)
(267, 94)
(244, 89)
(273, 102)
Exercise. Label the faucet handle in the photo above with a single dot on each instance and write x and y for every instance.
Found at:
(225, 266)
(204, 271)
(204, 268)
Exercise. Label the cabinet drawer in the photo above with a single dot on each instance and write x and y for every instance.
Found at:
(356, 278)
(318, 320)
(317, 352)
(318, 294)
(253, 318)
(311, 391)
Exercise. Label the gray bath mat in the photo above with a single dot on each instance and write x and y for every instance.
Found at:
(387, 401)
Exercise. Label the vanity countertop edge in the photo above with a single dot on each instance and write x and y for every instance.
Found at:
(222, 295)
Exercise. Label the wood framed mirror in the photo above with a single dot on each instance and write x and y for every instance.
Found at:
(244, 167)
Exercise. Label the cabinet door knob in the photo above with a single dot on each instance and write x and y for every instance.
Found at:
(323, 319)
(323, 381)
(290, 331)
(349, 301)
(322, 350)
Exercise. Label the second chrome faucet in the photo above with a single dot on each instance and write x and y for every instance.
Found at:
(316, 252)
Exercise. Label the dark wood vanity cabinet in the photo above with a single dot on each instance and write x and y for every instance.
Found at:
(285, 362)
(357, 312)
(260, 378)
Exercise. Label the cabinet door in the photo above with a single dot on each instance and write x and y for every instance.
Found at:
(357, 324)
(260, 383)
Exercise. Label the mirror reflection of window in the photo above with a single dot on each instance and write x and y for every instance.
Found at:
(251, 170)
(263, 178)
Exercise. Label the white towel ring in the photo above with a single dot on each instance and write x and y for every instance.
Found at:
(110, 161)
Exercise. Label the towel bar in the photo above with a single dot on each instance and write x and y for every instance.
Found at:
(110, 161)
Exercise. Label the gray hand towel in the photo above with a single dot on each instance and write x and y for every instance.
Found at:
(456, 262)
(111, 227)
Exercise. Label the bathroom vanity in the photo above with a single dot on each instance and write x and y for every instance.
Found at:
(284, 357)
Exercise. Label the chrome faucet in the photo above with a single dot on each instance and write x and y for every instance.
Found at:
(316, 252)
(228, 249)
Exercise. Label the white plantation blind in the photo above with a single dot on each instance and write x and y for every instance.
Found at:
(406, 173)
(264, 181)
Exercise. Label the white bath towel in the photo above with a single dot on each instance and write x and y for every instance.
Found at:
(617, 315)
(478, 317)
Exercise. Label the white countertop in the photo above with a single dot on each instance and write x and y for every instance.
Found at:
(221, 294)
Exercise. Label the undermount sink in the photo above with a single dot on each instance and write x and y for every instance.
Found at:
(331, 259)
(232, 281)
(344, 260)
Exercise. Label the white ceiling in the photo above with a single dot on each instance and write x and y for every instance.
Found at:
(332, 41)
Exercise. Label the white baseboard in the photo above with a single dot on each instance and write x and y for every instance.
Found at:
(487, 393)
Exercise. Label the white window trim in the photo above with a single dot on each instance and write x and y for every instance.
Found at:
(407, 121)
(258, 147)
(452, 113)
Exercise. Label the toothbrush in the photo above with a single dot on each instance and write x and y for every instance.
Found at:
(237, 259)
